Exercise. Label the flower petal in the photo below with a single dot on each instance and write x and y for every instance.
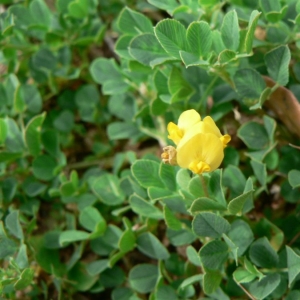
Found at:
(188, 118)
(225, 139)
(211, 126)
(175, 133)
(204, 148)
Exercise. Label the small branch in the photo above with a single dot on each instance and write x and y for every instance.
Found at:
(204, 185)
(294, 239)
(294, 146)
(245, 291)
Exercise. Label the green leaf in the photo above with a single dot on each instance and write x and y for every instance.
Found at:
(150, 245)
(78, 9)
(9, 188)
(87, 108)
(180, 237)
(293, 264)
(252, 269)
(44, 60)
(262, 254)
(32, 98)
(3, 131)
(226, 56)
(68, 189)
(64, 121)
(249, 84)
(236, 206)
(208, 224)
(122, 130)
(260, 171)
(82, 281)
(233, 248)
(213, 254)
(143, 277)
(7, 247)
(294, 178)
(277, 62)
(193, 256)
(70, 236)
(243, 276)
(62, 5)
(144, 208)
(206, 204)
(235, 180)
(269, 5)
(179, 88)
(96, 267)
(293, 295)
(168, 5)
(167, 175)
(50, 141)
(230, 31)
(123, 293)
(211, 281)
(12, 223)
(146, 172)
(22, 258)
(127, 241)
(122, 45)
(43, 167)
(19, 103)
(199, 39)
(172, 36)
(208, 3)
(270, 125)
(155, 193)
(33, 134)
(250, 32)
(254, 135)
(107, 73)
(113, 277)
(108, 242)
(190, 59)
(218, 45)
(91, 219)
(241, 235)
(215, 186)
(260, 289)
(195, 186)
(146, 49)
(40, 12)
(132, 22)
(165, 292)
(14, 139)
(274, 234)
(171, 220)
(107, 188)
(25, 279)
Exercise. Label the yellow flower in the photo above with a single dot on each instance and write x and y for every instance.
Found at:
(186, 120)
(200, 144)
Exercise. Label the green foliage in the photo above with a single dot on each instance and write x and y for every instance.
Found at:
(87, 207)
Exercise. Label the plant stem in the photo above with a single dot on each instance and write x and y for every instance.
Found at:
(204, 185)
(245, 291)
(207, 92)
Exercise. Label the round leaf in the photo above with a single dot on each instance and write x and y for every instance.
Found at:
(210, 225)
(143, 277)
(150, 245)
(107, 188)
(214, 254)
(43, 167)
